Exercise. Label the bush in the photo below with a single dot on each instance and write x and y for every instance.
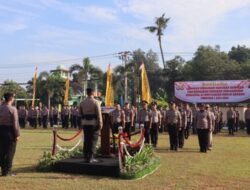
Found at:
(48, 160)
(140, 164)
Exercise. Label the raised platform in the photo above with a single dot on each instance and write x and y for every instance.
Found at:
(105, 166)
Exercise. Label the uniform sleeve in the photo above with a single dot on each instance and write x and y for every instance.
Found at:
(99, 115)
(16, 123)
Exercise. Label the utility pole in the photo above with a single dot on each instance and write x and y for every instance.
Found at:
(124, 56)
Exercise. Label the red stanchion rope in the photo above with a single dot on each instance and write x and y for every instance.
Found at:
(71, 138)
(138, 143)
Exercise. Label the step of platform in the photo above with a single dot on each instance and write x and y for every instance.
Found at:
(105, 167)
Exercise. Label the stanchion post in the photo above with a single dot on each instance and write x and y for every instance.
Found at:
(54, 140)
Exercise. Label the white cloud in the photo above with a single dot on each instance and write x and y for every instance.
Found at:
(82, 13)
(12, 26)
(4, 8)
(192, 21)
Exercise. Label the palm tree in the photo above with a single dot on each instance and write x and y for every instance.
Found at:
(160, 26)
(86, 70)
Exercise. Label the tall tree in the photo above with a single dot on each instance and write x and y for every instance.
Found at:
(87, 71)
(158, 28)
(240, 54)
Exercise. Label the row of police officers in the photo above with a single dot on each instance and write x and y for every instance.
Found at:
(69, 116)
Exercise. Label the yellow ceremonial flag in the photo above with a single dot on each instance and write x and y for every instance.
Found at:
(146, 95)
(109, 96)
(66, 94)
(34, 88)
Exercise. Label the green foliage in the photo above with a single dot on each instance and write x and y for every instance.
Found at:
(240, 54)
(11, 86)
(48, 160)
(139, 161)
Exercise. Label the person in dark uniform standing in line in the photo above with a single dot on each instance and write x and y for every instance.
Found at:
(173, 122)
(34, 117)
(51, 121)
(247, 119)
(74, 115)
(194, 111)
(55, 116)
(231, 120)
(204, 126)
(118, 118)
(220, 115)
(22, 115)
(91, 114)
(71, 110)
(30, 117)
(161, 126)
(144, 120)
(9, 133)
(66, 117)
(129, 116)
(189, 120)
(45, 114)
(39, 110)
(237, 120)
(183, 125)
(155, 122)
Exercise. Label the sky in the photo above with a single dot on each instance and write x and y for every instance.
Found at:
(48, 33)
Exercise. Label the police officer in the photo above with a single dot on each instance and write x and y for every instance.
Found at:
(9, 133)
(189, 114)
(155, 122)
(34, 117)
(118, 119)
(183, 126)
(194, 111)
(247, 119)
(45, 114)
(231, 120)
(90, 112)
(129, 116)
(237, 120)
(22, 115)
(210, 132)
(173, 122)
(39, 119)
(51, 121)
(55, 116)
(203, 124)
(220, 115)
(74, 115)
(162, 112)
(30, 116)
(144, 119)
(65, 117)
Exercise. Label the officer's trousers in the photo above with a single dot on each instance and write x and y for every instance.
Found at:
(128, 129)
(181, 137)
(146, 133)
(248, 126)
(90, 139)
(154, 134)
(194, 127)
(186, 131)
(22, 122)
(7, 148)
(173, 136)
(230, 123)
(45, 121)
(203, 139)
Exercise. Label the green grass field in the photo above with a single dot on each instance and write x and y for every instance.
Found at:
(227, 166)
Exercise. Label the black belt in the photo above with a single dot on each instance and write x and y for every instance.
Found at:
(89, 116)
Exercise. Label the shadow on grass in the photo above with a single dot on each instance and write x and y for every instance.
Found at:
(27, 169)
(167, 150)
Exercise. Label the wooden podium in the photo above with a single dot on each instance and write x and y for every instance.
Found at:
(105, 132)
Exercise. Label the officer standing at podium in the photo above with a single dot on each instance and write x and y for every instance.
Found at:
(91, 121)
